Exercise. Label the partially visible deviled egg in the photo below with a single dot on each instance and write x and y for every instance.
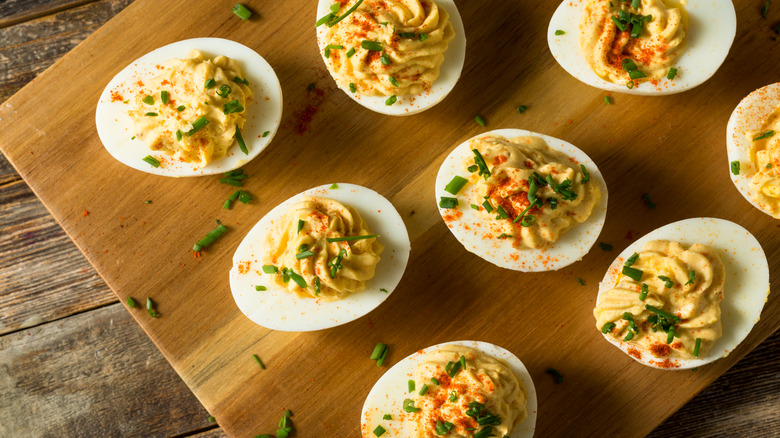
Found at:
(685, 294)
(395, 57)
(647, 47)
(322, 258)
(522, 200)
(753, 146)
(444, 389)
(195, 107)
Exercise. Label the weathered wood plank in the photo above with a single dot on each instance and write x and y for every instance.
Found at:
(212, 433)
(18, 11)
(93, 374)
(42, 273)
(28, 48)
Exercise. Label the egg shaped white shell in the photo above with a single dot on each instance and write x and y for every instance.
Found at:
(389, 392)
(749, 115)
(711, 30)
(450, 71)
(746, 286)
(264, 112)
(468, 229)
(279, 309)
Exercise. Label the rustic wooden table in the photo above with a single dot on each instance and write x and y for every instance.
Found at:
(74, 363)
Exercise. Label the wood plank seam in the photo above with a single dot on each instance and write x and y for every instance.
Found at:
(21, 18)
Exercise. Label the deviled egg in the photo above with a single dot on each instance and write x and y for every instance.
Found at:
(195, 107)
(395, 57)
(647, 47)
(322, 258)
(753, 147)
(443, 389)
(522, 200)
(685, 294)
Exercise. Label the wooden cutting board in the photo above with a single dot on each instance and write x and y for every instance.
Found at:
(670, 147)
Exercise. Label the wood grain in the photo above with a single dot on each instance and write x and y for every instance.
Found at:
(206, 371)
(94, 374)
(17, 11)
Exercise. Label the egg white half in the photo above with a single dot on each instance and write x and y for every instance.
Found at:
(449, 74)
(264, 113)
(389, 392)
(746, 288)
(711, 30)
(470, 232)
(278, 309)
(749, 115)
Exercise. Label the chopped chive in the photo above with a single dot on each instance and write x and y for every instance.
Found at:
(348, 238)
(633, 273)
(423, 37)
(130, 302)
(317, 286)
(335, 7)
(580, 281)
(232, 107)
(480, 120)
(227, 205)
(352, 87)
(209, 238)
(697, 347)
(306, 253)
(378, 350)
(149, 100)
(151, 160)
(454, 369)
(391, 100)
(393, 81)
(556, 375)
(259, 362)
(434, 381)
(423, 390)
(240, 141)
(475, 207)
(241, 81)
(331, 23)
(672, 73)
(260, 288)
(521, 109)
(479, 160)
(333, 186)
(585, 174)
(631, 260)
(297, 279)
(691, 277)
(670, 335)
(636, 74)
(198, 124)
(241, 11)
(224, 91)
(300, 225)
(164, 97)
(527, 221)
(453, 396)
(410, 385)
(265, 133)
(648, 202)
(504, 236)
(133, 138)
(407, 35)
(560, 32)
(151, 114)
(447, 202)
(373, 46)
(234, 196)
(473, 168)
(735, 167)
(324, 19)
(765, 9)
(310, 87)
(629, 336)
(644, 291)
(409, 406)
(330, 47)
(668, 283)
(210, 83)
(379, 431)
(488, 207)
(244, 197)
(385, 60)
(387, 417)
(180, 108)
(764, 135)
(462, 361)
(270, 269)
(179, 135)
(617, 22)
(443, 428)
(455, 185)
(630, 84)
(605, 246)
(607, 100)
(350, 52)
(607, 328)
(660, 312)
(502, 214)
(383, 290)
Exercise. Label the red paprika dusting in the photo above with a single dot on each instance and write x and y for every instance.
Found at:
(660, 350)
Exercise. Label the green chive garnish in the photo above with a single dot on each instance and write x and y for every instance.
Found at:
(260, 288)
(632, 273)
(349, 11)
(393, 81)
(391, 100)
(350, 52)
(130, 302)
(410, 385)
(648, 202)
(607, 328)
(242, 12)
(643, 292)
(488, 207)
(259, 362)
(697, 347)
(379, 431)
(151, 160)
(660, 312)
(629, 336)
(164, 97)
(179, 135)
(434, 381)
(764, 135)
(348, 238)
(265, 133)
(352, 87)
(631, 260)
(333, 186)
(374, 46)
(224, 91)
(672, 73)
(668, 283)
(240, 141)
(453, 396)
(521, 109)
(475, 207)
(502, 214)
(180, 108)
(149, 100)
(383, 290)
(300, 225)
(409, 406)
(151, 114)
(387, 417)
(735, 167)
(232, 107)
(480, 120)
(423, 37)
(209, 238)
(270, 269)
(560, 32)
(605, 246)
(691, 277)
(330, 47)
(765, 9)
(447, 202)
(210, 83)
(423, 390)
(385, 60)
(580, 281)
(585, 174)
(378, 350)
(670, 335)
(198, 124)
(556, 375)
(455, 185)
(241, 81)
